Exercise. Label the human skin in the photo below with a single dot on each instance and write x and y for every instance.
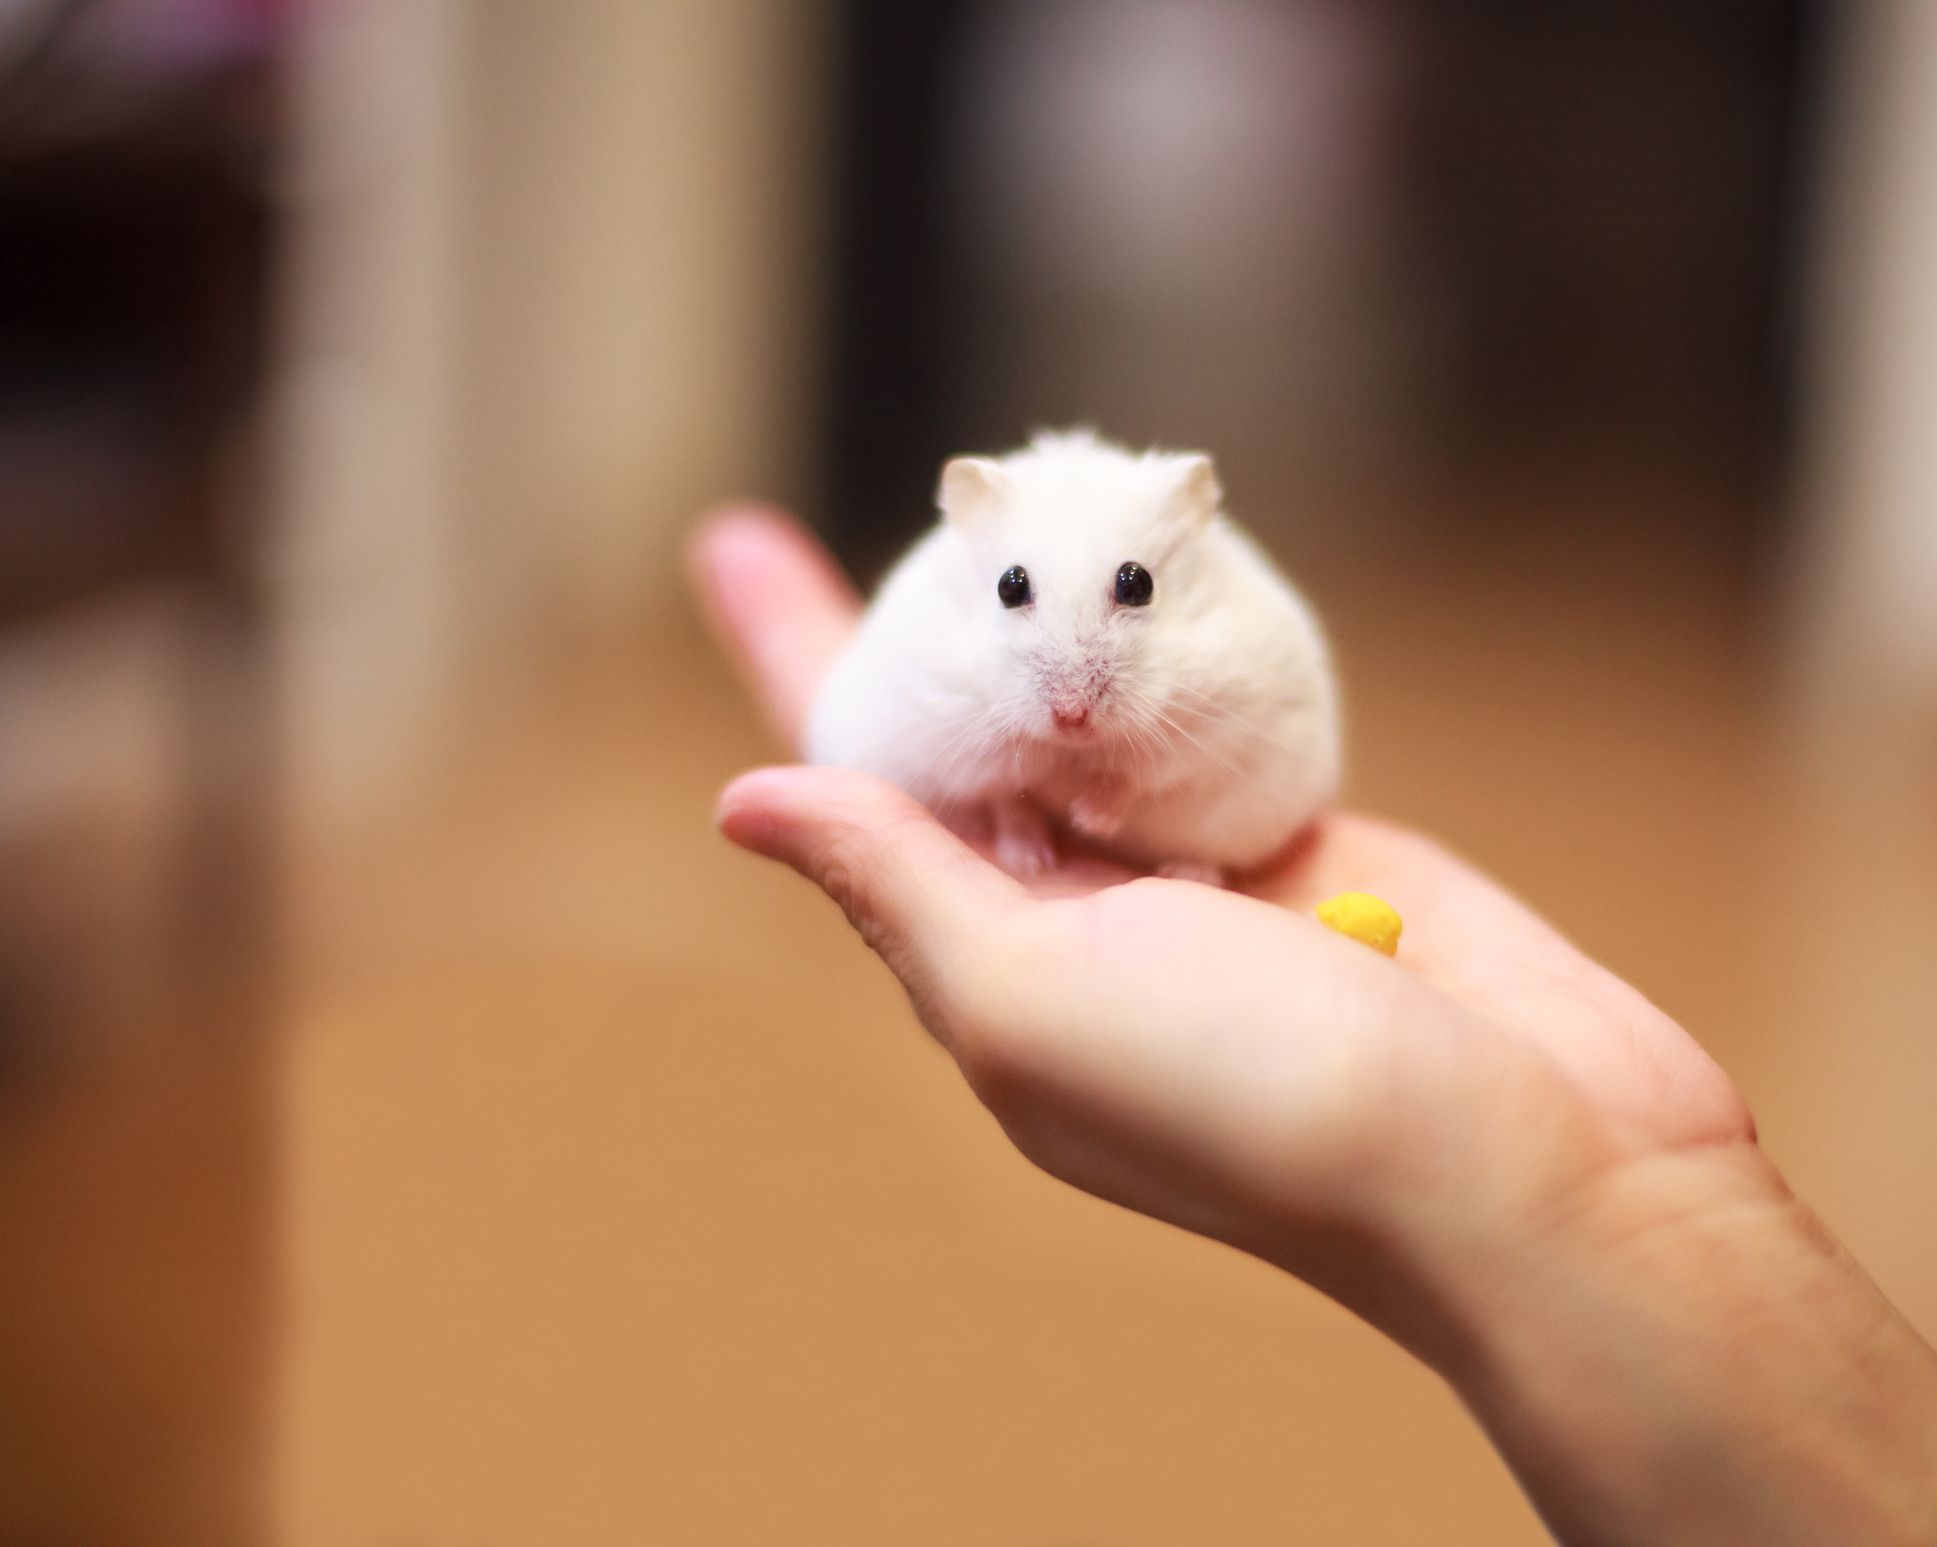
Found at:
(1491, 1148)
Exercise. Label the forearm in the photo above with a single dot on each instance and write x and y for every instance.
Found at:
(1688, 1356)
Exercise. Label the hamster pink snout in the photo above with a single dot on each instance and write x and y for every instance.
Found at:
(1086, 642)
(1071, 696)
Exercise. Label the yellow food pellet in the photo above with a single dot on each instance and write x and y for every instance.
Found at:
(1363, 917)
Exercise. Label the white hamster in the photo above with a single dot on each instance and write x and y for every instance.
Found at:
(1087, 641)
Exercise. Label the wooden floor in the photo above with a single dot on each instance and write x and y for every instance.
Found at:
(590, 1185)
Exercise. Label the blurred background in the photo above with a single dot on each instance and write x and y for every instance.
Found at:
(416, 1127)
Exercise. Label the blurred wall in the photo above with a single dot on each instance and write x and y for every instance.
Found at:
(1843, 983)
(1866, 648)
(1411, 271)
(550, 285)
(638, 182)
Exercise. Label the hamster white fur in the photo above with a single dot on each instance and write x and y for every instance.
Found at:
(1194, 732)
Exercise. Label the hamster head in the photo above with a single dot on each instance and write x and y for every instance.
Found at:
(1083, 565)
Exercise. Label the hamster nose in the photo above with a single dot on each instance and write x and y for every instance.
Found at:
(1070, 716)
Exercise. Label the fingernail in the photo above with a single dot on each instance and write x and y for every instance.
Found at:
(729, 535)
(751, 830)
(738, 824)
(744, 812)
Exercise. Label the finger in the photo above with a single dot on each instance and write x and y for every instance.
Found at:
(1465, 934)
(919, 896)
(1350, 852)
(779, 604)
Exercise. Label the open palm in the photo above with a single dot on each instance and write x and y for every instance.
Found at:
(1217, 1058)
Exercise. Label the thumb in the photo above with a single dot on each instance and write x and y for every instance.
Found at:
(919, 896)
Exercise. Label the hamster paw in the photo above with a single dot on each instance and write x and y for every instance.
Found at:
(1192, 870)
(1096, 814)
(1023, 843)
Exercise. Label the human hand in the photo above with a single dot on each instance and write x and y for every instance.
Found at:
(1214, 1058)
(1445, 1142)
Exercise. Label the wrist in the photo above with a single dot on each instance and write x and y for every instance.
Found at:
(1681, 1351)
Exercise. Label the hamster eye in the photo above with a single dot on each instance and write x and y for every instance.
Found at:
(1134, 584)
(1013, 587)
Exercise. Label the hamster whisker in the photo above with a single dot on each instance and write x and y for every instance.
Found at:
(950, 749)
(1141, 741)
(1211, 753)
(1154, 714)
(945, 762)
(1218, 713)
(1141, 718)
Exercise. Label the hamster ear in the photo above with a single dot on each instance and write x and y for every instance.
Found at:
(971, 487)
(1195, 491)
